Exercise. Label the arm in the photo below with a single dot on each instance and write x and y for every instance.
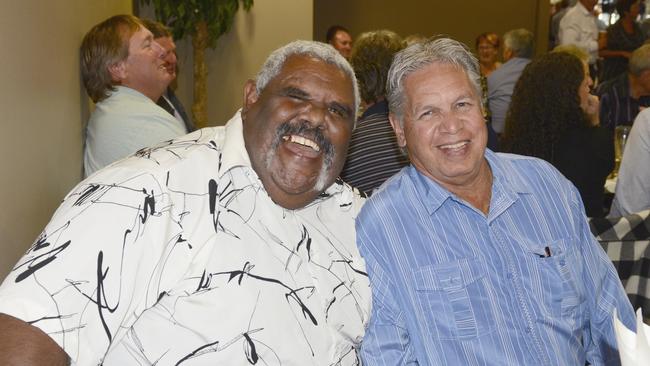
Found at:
(386, 342)
(603, 291)
(23, 344)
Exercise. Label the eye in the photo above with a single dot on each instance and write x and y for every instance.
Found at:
(464, 105)
(337, 111)
(425, 114)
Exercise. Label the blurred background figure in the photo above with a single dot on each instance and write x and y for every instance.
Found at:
(623, 37)
(579, 27)
(487, 49)
(339, 37)
(518, 49)
(168, 101)
(125, 87)
(622, 97)
(374, 154)
(414, 38)
(633, 182)
(560, 9)
(552, 116)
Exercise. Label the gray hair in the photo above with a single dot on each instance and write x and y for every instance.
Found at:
(520, 41)
(322, 51)
(420, 55)
(640, 60)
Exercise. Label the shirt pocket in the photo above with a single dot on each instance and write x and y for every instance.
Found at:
(456, 297)
(554, 281)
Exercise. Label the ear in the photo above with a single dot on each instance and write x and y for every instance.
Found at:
(118, 71)
(397, 127)
(250, 96)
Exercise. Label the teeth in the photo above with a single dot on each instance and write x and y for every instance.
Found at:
(454, 146)
(302, 141)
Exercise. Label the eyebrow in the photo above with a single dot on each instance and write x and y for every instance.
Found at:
(293, 91)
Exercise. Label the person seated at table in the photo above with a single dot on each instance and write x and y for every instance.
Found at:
(622, 98)
(477, 258)
(633, 182)
(553, 117)
(374, 155)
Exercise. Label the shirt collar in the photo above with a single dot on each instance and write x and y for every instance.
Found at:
(234, 152)
(506, 186)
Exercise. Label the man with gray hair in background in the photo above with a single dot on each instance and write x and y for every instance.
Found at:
(518, 49)
(232, 245)
(474, 257)
(623, 97)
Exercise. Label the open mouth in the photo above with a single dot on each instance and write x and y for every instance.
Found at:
(454, 147)
(300, 140)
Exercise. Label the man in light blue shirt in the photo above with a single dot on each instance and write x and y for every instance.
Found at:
(518, 48)
(477, 258)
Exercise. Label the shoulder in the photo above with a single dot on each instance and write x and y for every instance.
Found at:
(196, 153)
(526, 171)
(389, 197)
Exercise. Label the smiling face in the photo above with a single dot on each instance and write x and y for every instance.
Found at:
(144, 69)
(443, 127)
(170, 56)
(297, 130)
(487, 52)
(342, 41)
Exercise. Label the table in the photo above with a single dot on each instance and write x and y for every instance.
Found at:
(626, 240)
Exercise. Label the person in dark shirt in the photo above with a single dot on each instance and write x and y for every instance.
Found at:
(553, 117)
(374, 155)
(622, 98)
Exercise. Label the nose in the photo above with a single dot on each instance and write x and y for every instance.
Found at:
(160, 50)
(315, 114)
(452, 124)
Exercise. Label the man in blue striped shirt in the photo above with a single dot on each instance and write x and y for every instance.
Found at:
(477, 258)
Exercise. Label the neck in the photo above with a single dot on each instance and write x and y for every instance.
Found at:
(477, 193)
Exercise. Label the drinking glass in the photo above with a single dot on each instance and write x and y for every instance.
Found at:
(620, 137)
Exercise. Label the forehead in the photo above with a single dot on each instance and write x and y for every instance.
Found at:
(310, 72)
(437, 80)
(138, 36)
(342, 35)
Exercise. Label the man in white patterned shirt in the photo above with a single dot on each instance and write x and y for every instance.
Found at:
(232, 245)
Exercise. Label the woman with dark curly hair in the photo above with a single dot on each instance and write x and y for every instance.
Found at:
(552, 116)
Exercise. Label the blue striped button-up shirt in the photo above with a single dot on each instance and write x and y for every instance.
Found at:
(526, 285)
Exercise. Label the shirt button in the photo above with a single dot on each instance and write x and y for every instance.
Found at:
(528, 330)
(509, 275)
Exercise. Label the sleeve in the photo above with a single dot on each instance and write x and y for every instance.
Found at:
(386, 342)
(633, 186)
(97, 265)
(603, 291)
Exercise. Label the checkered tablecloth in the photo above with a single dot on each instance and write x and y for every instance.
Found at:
(627, 243)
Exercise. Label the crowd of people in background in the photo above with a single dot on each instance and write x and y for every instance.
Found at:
(391, 199)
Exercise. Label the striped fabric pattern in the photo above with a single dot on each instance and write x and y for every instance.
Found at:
(526, 285)
(374, 155)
